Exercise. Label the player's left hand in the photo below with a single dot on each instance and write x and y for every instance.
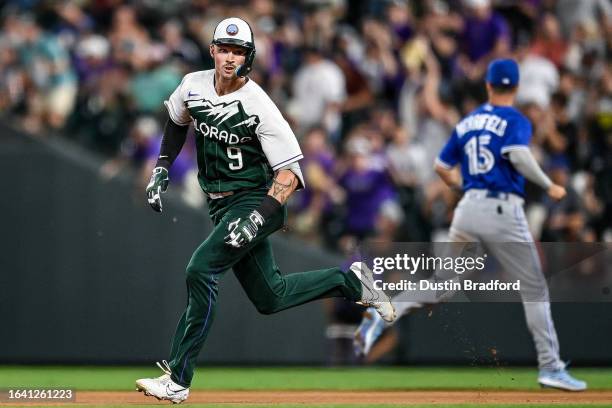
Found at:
(241, 231)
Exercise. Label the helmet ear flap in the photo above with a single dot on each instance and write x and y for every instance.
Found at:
(244, 69)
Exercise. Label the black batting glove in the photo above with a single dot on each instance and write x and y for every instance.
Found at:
(157, 185)
(242, 231)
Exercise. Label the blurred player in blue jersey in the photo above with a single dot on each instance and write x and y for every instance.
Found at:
(491, 145)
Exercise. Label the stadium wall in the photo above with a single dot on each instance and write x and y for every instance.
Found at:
(89, 274)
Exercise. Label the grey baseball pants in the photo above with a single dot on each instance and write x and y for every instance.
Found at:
(479, 218)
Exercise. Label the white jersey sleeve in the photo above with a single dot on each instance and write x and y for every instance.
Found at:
(277, 140)
(176, 105)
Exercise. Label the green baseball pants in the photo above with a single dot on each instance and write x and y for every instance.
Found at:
(254, 266)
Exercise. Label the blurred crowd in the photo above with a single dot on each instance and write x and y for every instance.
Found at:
(372, 88)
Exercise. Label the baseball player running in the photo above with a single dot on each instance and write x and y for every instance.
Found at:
(491, 145)
(248, 167)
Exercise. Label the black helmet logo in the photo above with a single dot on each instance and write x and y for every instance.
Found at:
(232, 29)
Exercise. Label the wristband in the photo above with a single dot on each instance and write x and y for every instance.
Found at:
(164, 162)
(268, 206)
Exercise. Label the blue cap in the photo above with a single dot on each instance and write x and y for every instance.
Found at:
(503, 72)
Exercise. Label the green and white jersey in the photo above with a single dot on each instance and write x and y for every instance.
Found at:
(241, 137)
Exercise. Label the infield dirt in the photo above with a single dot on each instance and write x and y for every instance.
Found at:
(353, 397)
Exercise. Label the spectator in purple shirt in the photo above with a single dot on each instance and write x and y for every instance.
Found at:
(92, 59)
(315, 204)
(485, 36)
(366, 189)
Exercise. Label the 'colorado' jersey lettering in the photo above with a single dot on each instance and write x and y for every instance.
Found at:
(480, 143)
(241, 137)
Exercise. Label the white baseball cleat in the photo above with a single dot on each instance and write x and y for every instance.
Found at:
(370, 296)
(163, 388)
(560, 379)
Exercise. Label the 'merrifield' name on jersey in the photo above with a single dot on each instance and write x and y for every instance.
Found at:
(213, 132)
(482, 121)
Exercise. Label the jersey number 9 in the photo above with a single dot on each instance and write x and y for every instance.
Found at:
(235, 153)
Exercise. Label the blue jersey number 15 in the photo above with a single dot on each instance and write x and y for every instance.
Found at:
(480, 158)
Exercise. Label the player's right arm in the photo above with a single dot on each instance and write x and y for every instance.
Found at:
(450, 177)
(446, 162)
(172, 143)
(173, 140)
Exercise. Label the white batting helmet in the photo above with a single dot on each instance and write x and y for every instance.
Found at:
(235, 31)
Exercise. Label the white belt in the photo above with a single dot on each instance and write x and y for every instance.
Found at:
(216, 196)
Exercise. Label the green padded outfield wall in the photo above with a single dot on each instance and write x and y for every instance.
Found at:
(89, 274)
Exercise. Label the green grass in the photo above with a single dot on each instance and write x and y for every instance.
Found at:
(251, 378)
(236, 378)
